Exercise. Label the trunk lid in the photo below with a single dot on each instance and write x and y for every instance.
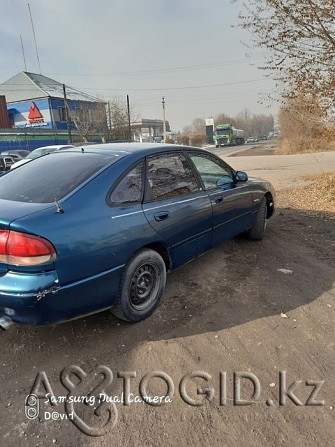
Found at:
(11, 210)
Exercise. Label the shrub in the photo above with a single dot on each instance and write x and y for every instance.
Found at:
(303, 129)
(184, 140)
(199, 140)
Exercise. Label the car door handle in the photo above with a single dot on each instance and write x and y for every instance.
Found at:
(163, 215)
(219, 199)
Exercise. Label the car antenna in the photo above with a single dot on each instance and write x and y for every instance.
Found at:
(59, 208)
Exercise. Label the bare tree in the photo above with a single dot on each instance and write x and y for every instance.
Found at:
(252, 124)
(197, 127)
(300, 37)
(89, 119)
(118, 127)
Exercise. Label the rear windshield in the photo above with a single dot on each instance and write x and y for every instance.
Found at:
(52, 176)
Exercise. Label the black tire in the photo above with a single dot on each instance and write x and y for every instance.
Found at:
(142, 286)
(257, 231)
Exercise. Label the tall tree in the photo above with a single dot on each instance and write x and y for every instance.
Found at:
(300, 37)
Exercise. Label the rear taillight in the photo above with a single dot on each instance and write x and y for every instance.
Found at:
(25, 249)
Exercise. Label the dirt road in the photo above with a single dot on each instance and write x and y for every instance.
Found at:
(254, 307)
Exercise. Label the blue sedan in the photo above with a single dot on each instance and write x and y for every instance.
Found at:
(98, 227)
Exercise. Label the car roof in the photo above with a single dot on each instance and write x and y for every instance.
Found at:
(54, 146)
(138, 149)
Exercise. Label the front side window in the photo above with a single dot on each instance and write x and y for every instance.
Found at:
(130, 188)
(169, 175)
(211, 171)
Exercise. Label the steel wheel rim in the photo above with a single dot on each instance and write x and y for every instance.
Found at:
(144, 286)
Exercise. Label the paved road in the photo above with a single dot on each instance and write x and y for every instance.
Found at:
(284, 171)
(228, 151)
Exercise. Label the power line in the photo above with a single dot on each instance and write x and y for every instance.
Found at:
(172, 88)
(179, 100)
(137, 89)
(161, 70)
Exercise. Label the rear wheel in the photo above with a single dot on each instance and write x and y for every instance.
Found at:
(142, 286)
(257, 231)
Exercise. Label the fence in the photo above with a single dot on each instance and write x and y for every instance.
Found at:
(33, 138)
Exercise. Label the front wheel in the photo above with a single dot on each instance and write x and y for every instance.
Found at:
(142, 286)
(257, 231)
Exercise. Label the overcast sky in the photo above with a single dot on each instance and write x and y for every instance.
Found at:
(185, 50)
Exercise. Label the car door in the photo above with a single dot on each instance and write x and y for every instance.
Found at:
(177, 207)
(231, 200)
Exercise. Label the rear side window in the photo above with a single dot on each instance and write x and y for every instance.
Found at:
(130, 188)
(52, 176)
(169, 175)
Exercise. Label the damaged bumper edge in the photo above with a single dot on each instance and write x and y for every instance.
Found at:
(21, 295)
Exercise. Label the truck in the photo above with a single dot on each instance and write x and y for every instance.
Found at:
(227, 135)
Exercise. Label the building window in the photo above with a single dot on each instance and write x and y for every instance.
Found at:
(62, 114)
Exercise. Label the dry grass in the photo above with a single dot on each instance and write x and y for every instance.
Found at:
(303, 145)
(304, 128)
(317, 196)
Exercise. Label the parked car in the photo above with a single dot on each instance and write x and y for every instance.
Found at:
(5, 163)
(92, 228)
(39, 152)
(16, 154)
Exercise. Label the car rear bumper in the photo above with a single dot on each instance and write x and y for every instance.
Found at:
(38, 298)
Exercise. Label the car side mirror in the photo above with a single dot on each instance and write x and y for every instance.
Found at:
(241, 176)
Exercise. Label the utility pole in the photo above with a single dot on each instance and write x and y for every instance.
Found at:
(109, 119)
(128, 112)
(67, 115)
(164, 124)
